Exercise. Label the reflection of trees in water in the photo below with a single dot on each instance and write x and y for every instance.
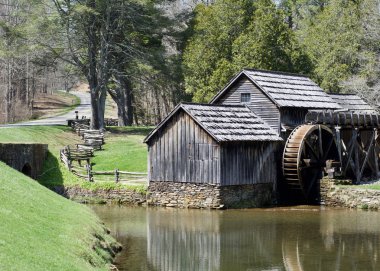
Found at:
(341, 240)
(197, 240)
(347, 252)
(276, 239)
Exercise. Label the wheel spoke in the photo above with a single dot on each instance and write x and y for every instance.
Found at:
(313, 153)
(305, 155)
(315, 177)
(328, 149)
(320, 140)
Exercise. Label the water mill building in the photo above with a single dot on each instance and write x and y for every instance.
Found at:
(263, 132)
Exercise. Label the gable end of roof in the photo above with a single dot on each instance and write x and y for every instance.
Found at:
(224, 123)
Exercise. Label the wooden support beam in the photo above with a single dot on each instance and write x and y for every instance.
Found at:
(339, 144)
(367, 154)
(320, 140)
(348, 151)
(356, 155)
(375, 153)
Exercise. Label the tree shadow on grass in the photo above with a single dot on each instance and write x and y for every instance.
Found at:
(131, 130)
(51, 174)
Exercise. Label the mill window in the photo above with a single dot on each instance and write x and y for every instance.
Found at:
(245, 97)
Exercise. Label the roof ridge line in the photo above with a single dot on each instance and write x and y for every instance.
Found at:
(213, 105)
(276, 72)
(343, 94)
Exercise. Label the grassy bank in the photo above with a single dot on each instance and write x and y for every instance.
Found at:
(53, 104)
(43, 231)
(367, 186)
(124, 150)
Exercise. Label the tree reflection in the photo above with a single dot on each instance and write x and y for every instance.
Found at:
(273, 239)
(291, 239)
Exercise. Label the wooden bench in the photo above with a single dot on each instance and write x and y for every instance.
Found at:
(91, 132)
(76, 125)
(94, 143)
(99, 137)
(84, 147)
(81, 130)
(79, 154)
(111, 122)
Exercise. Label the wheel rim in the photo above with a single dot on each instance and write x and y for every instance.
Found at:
(306, 152)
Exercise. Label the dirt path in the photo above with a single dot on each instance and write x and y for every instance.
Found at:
(84, 109)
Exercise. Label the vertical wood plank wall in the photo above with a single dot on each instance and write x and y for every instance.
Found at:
(248, 163)
(260, 104)
(293, 116)
(184, 152)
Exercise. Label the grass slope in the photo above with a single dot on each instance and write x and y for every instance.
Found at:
(124, 149)
(57, 137)
(125, 152)
(55, 104)
(43, 231)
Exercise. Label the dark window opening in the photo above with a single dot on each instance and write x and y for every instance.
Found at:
(245, 97)
(27, 170)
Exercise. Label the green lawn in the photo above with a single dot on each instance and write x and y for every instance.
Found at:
(54, 172)
(41, 230)
(370, 186)
(124, 149)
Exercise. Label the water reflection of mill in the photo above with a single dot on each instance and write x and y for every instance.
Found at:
(261, 240)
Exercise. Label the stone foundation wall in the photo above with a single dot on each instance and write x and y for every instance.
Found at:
(246, 196)
(191, 195)
(181, 195)
(26, 158)
(99, 196)
(350, 197)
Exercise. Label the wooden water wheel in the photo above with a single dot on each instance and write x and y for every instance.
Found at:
(306, 152)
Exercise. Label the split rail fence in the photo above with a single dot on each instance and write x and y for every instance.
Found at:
(93, 141)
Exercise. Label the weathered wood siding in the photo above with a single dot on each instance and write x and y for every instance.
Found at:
(248, 163)
(184, 152)
(260, 104)
(293, 117)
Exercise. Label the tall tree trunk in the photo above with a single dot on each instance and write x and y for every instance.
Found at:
(102, 106)
(92, 69)
(128, 98)
(118, 97)
(124, 100)
(158, 106)
(94, 124)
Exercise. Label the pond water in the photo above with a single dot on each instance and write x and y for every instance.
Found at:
(300, 238)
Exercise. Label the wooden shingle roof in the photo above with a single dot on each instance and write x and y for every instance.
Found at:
(225, 122)
(353, 103)
(287, 90)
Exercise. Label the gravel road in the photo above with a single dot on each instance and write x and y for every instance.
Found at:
(84, 109)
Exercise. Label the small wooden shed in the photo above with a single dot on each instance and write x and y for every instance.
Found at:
(281, 99)
(199, 151)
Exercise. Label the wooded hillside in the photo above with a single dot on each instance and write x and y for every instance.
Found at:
(149, 55)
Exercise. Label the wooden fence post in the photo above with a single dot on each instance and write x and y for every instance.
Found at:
(89, 173)
(117, 175)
